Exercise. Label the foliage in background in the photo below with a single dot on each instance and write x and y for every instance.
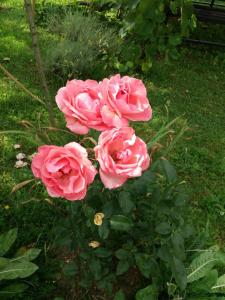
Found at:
(150, 29)
(128, 37)
(82, 46)
(18, 267)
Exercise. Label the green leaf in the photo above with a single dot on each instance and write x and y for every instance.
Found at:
(163, 228)
(174, 40)
(219, 287)
(178, 245)
(125, 202)
(204, 284)
(173, 7)
(169, 170)
(3, 262)
(122, 267)
(179, 273)
(107, 209)
(70, 269)
(121, 254)
(121, 223)
(103, 230)
(86, 280)
(28, 255)
(12, 289)
(164, 253)
(146, 66)
(203, 263)
(148, 293)
(102, 252)
(119, 295)
(18, 269)
(95, 267)
(144, 263)
(106, 283)
(7, 239)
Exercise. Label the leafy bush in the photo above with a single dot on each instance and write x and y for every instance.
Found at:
(47, 10)
(143, 236)
(149, 31)
(20, 266)
(85, 44)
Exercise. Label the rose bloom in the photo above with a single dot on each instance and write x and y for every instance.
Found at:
(124, 98)
(121, 155)
(65, 171)
(79, 101)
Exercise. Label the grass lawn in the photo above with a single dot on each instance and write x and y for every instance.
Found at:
(192, 87)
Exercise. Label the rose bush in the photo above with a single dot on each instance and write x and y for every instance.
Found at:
(139, 227)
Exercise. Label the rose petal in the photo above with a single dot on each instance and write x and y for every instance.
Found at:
(112, 181)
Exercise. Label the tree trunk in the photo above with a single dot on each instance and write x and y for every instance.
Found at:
(33, 8)
(37, 54)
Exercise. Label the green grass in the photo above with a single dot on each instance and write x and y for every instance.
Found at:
(17, 106)
(192, 87)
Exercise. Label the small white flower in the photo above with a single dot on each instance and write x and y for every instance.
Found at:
(20, 156)
(20, 164)
(17, 146)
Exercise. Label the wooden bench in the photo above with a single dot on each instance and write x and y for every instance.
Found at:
(209, 11)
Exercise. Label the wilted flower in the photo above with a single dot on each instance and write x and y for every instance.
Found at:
(98, 219)
(20, 164)
(94, 244)
(20, 156)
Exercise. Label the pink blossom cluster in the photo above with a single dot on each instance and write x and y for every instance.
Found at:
(106, 106)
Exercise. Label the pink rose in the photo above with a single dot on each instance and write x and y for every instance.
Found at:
(121, 155)
(65, 171)
(125, 98)
(79, 101)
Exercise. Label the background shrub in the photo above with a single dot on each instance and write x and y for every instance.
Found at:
(83, 46)
(149, 31)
